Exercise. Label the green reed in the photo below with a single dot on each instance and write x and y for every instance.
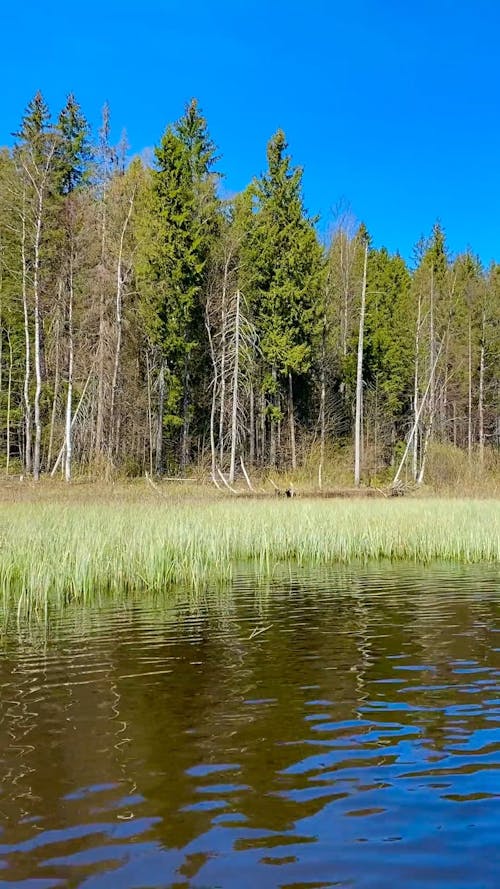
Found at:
(52, 554)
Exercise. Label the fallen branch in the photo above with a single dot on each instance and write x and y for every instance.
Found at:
(61, 452)
(417, 418)
(258, 630)
(216, 483)
(226, 482)
(154, 486)
(246, 475)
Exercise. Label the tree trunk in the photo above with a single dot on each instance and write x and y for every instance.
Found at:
(416, 423)
(252, 427)
(119, 325)
(481, 395)
(425, 446)
(234, 411)
(185, 417)
(263, 442)
(272, 425)
(469, 417)
(213, 458)
(222, 407)
(359, 378)
(432, 386)
(73, 421)
(291, 420)
(345, 291)
(27, 356)
(99, 432)
(322, 403)
(150, 415)
(9, 396)
(37, 310)
(213, 407)
(277, 399)
(416, 389)
(56, 387)
(159, 428)
(432, 391)
(68, 439)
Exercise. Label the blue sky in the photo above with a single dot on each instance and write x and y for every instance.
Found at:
(390, 105)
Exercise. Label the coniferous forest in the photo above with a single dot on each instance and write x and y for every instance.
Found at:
(147, 324)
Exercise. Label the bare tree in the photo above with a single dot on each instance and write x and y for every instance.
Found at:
(359, 377)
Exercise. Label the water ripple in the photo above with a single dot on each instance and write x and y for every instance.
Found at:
(161, 743)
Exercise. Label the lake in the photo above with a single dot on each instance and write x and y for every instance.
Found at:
(336, 728)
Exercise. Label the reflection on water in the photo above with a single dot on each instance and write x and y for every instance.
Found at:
(333, 730)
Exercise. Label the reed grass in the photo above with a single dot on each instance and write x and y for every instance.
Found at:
(53, 553)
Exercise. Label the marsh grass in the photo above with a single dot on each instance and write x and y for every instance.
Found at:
(51, 554)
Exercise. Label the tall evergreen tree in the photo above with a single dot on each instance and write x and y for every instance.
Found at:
(73, 150)
(284, 260)
(179, 226)
(388, 358)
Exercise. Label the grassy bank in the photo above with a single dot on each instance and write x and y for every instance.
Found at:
(55, 552)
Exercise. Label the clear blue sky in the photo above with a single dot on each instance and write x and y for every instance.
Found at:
(390, 104)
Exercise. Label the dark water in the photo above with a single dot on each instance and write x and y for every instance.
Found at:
(354, 742)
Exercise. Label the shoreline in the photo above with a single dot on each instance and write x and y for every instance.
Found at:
(18, 489)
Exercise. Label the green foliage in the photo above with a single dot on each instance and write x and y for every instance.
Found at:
(35, 133)
(283, 262)
(145, 298)
(177, 231)
(73, 151)
(388, 357)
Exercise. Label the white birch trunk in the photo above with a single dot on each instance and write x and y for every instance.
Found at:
(322, 407)
(99, 434)
(416, 389)
(213, 406)
(159, 428)
(73, 421)
(234, 411)
(150, 415)
(68, 439)
(27, 346)
(38, 374)
(359, 378)
(223, 362)
(56, 387)
(119, 325)
(481, 394)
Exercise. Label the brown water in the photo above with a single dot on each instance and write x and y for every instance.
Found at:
(354, 742)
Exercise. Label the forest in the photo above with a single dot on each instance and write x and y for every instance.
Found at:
(150, 325)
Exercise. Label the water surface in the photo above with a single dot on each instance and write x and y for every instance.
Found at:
(338, 729)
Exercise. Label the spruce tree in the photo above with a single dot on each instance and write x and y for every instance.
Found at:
(179, 226)
(284, 262)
